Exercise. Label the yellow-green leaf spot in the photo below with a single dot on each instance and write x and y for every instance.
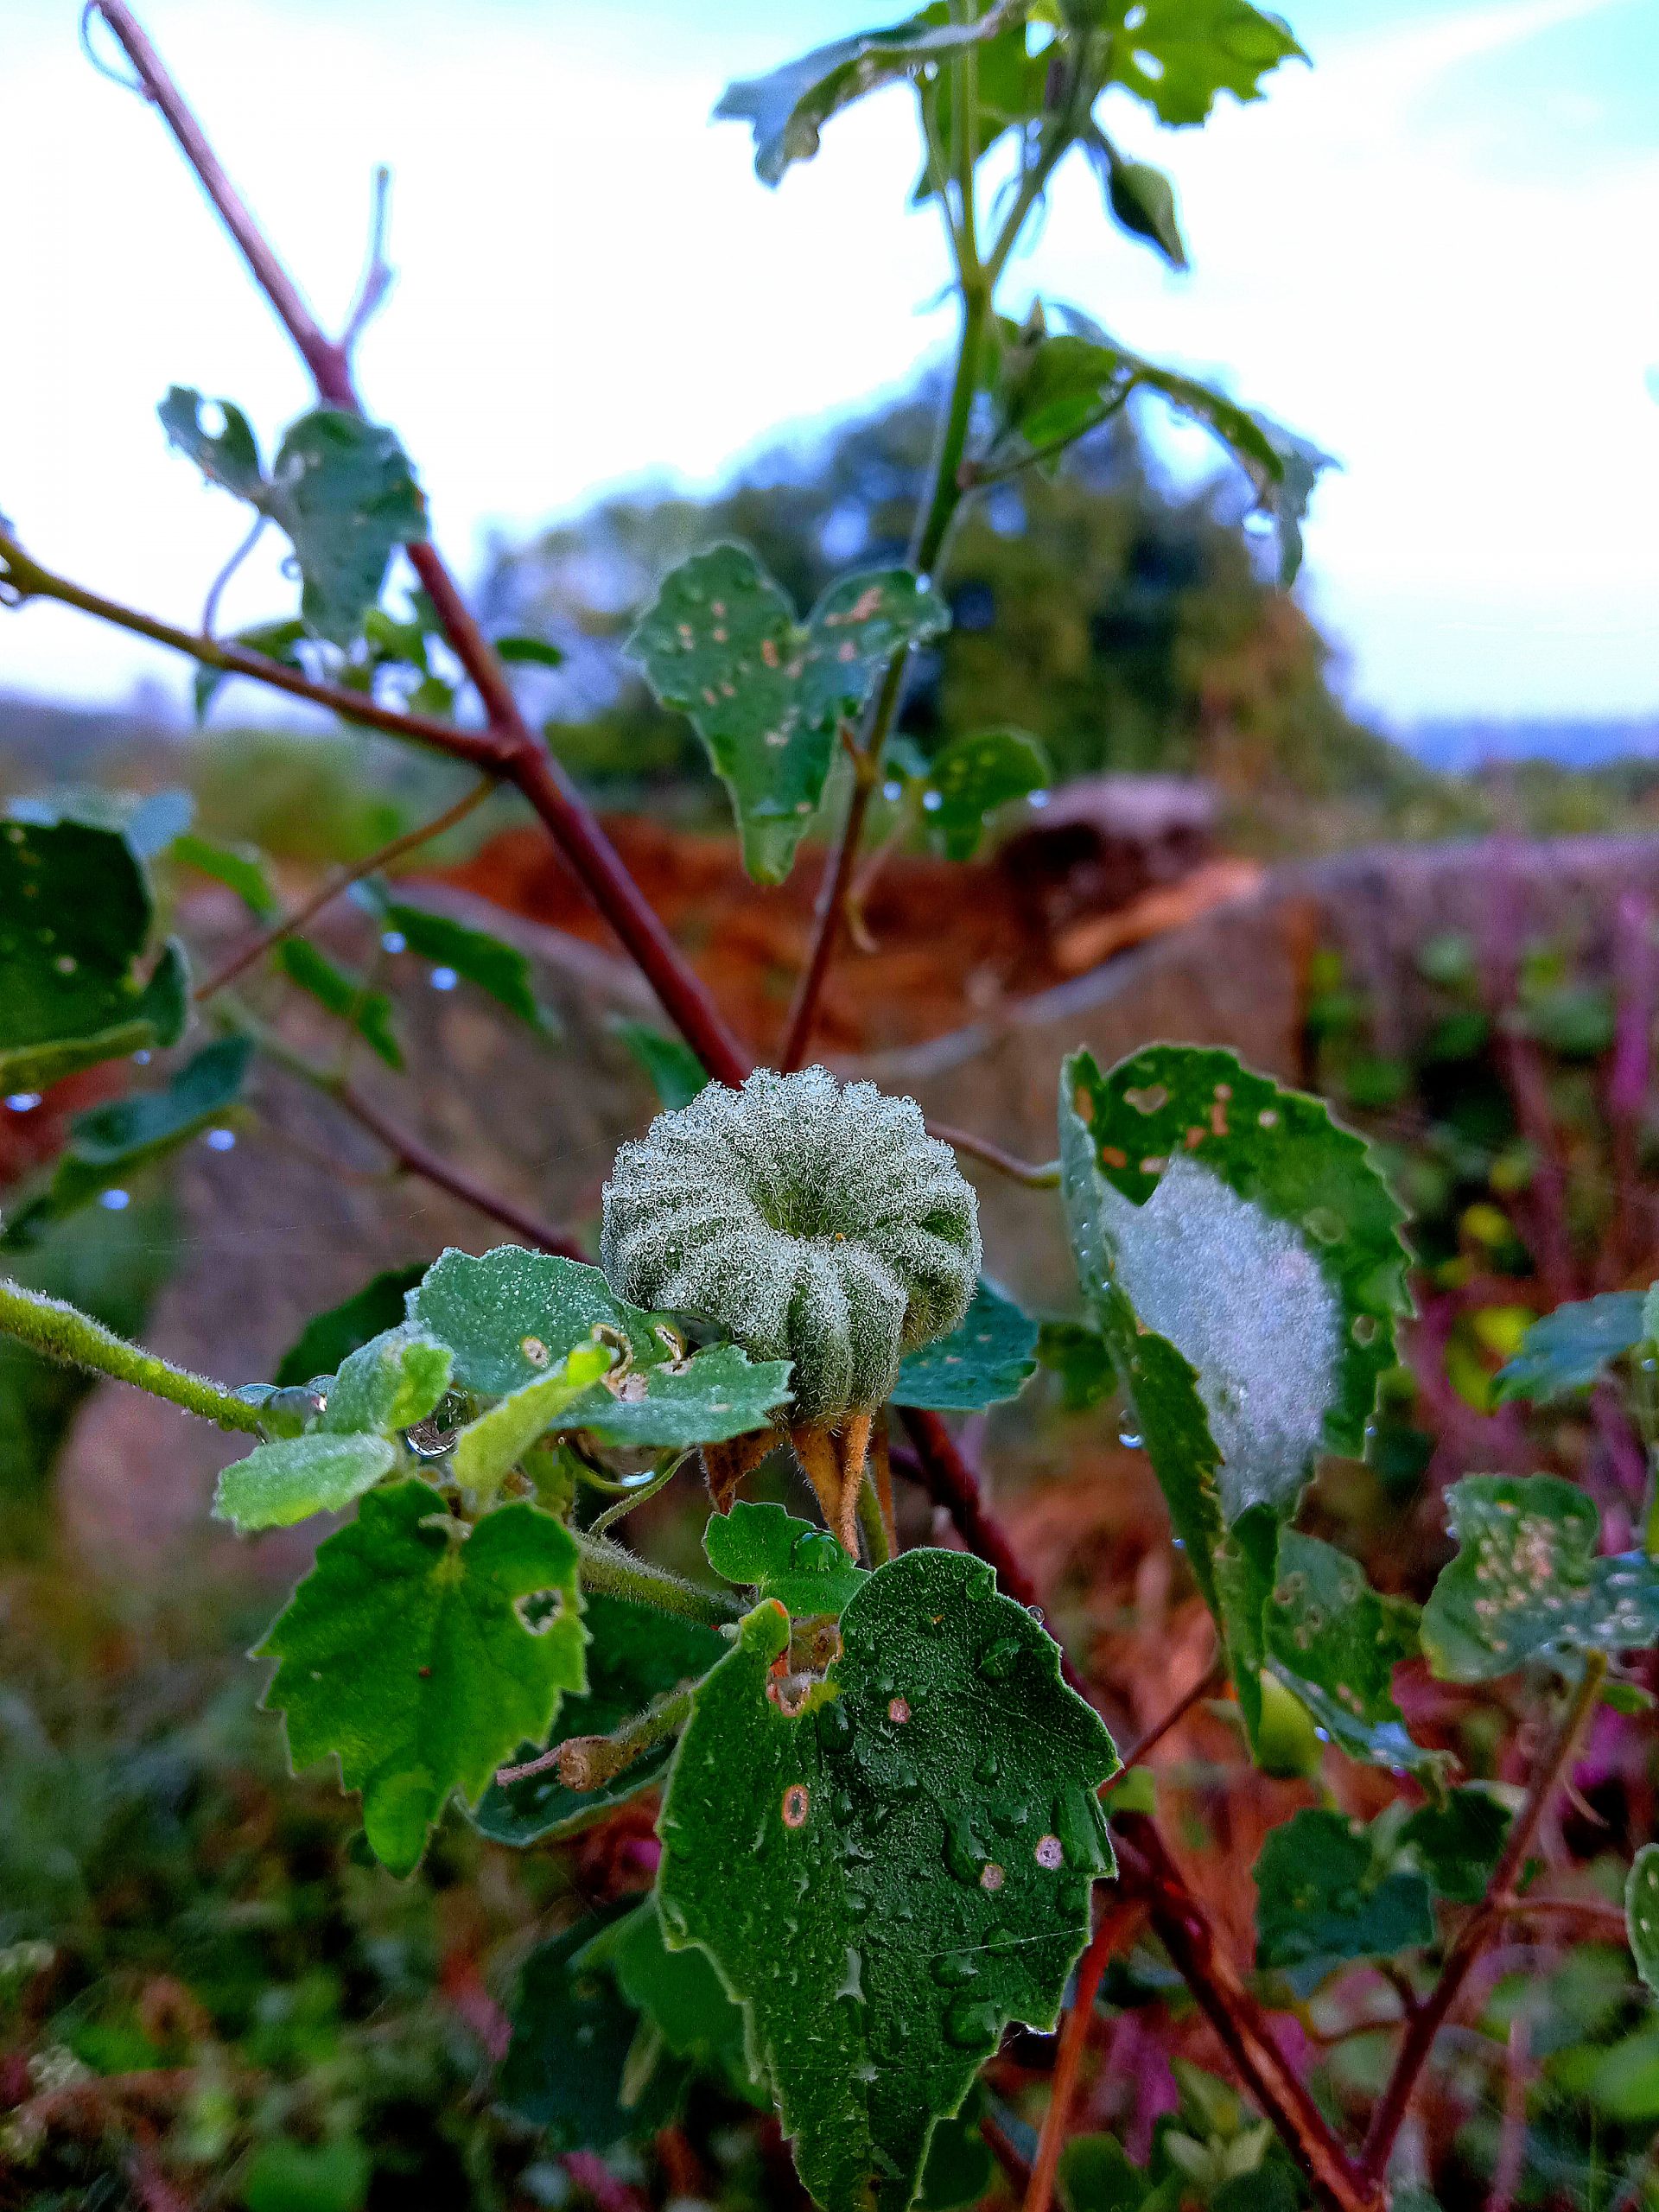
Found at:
(1642, 1914)
(1527, 1583)
(765, 693)
(421, 1653)
(890, 1868)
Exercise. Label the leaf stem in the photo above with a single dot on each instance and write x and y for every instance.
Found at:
(61, 1333)
(589, 1762)
(1500, 1899)
(1211, 1676)
(639, 1493)
(1046, 1178)
(605, 1567)
(309, 909)
(1118, 1924)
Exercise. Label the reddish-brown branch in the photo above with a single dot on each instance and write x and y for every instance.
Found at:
(511, 746)
(1210, 1679)
(1426, 2024)
(1118, 1924)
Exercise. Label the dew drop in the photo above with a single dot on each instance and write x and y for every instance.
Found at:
(115, 1201)
(988, 1767)
(952, 1968)
(998, 1661)
(1128, 1439)
(835, 1725)
(969, 2025)
(22, 1101)
(816, 1551)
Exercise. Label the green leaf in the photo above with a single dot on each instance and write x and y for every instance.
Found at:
(527, 652)
(1323, 1897)
(228, 457)
(765, 1547)
(923, 1829)
(150, 824)
(285, 2176)
(1642, 1914)
(635, 1653)
(566, 2069)
(329, 1337)
(386, 1385)
(488, 1447)
(1098, 2175)
(788, 109)
(277, 641)
(765, 693)
(1526, 1582)
(1077, 1355)
(671, 1405)
(281, 1483)
(409, 1651)
(346, 995)
(239, 868)
(1335, 1642)
(1140, 198)
(113, 1142)
(675, 1073)
(75, 915)
(988, 1357)
(971, 777)
(1011, 82)
(1222, 1184)
(681, 1997)
(512, 1314)
(1181, 54)
(959, 2169)
(1573, 1347)
(498, 969)
(1457, 1844)
(344, 491)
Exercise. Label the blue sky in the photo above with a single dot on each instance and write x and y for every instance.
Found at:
(1435, 252)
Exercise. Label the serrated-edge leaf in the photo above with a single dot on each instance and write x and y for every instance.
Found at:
(765, 1549)
(388, 1384)
(287, 1481)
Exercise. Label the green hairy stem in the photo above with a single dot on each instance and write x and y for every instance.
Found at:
(60, 1332)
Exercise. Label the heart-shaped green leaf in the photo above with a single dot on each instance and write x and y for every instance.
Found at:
(477, 956)
(767, 694)
(968, 778)
(1324, 1894)
(903, 1866)
(1458, 1844)
(987, 1357)
(511, 1314)
(767, 1549)
(421, 1653)
(75, 915)
(1526, 1582)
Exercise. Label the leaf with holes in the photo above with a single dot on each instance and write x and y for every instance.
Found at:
(767, 1549)
(420, 1653)
(1527, 1583)
(510, 1315)
(788, 109)
(968, 778)
(330, 1337)
(289, 1479)
(490, 1446)
(348, 997)
(634, 1655)
(491, 965)
(671, 1405)
(1642, 1914)
(1335, 1642)
(1573, 1347)
(1258, 1237)
(572, 2068)
(344, 491)
(906, 1867)
(113, 1142)
(1179, 54)
(987, 1358)
(228, 456)
(767, 694)
(75, 917)
(1323, 1894)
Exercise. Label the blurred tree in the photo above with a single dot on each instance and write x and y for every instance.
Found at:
(1127, 623)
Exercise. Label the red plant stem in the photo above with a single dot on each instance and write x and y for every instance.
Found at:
(517, 753)
(416, 1158)
(1117, 1927)
(1210, 1679)
(512, 748)
(1426, 2024)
